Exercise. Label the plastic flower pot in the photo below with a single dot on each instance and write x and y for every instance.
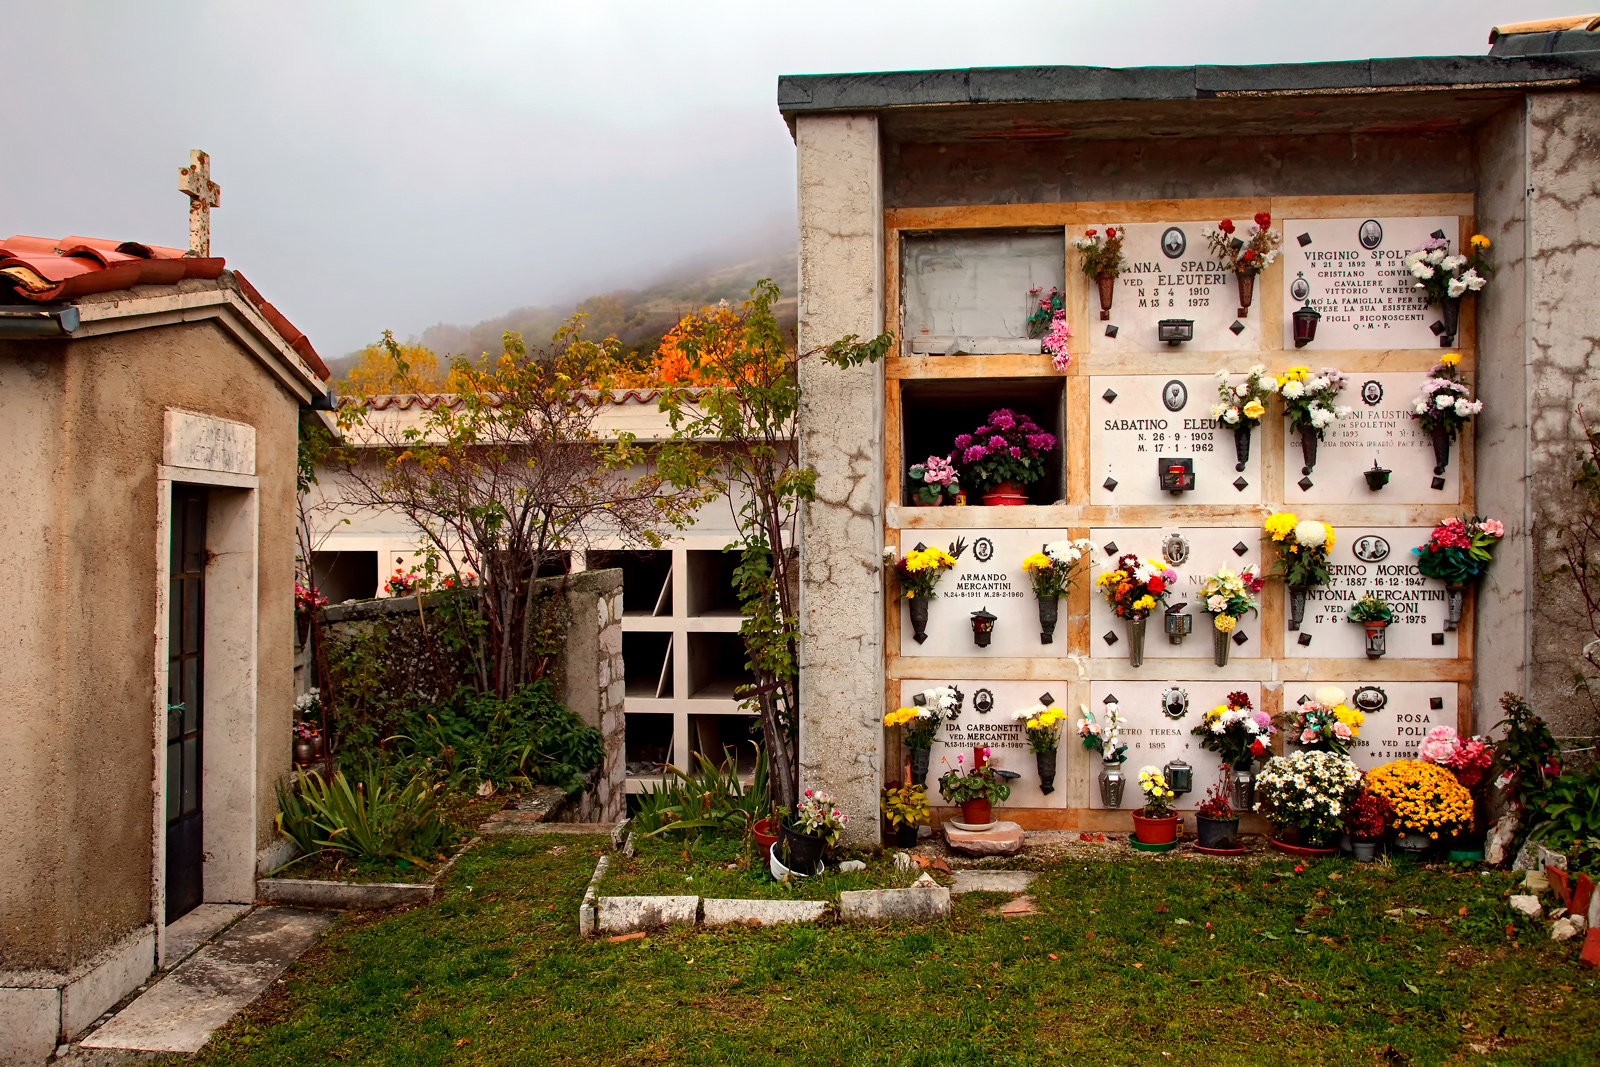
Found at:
(977, 811)
(905, 836)
(1301, 850)
(1413, 843)
(765, 837)
(1222, 834)
(1156, 831)
(801, 852)
(1365, 851)
(1005, 495)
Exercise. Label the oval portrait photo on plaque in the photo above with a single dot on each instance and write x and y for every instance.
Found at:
(1370, 548)
(1173, 242)
(1175, 395)
(1370, 234)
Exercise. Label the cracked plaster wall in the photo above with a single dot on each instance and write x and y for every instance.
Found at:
(841, 580)
(1563, 352)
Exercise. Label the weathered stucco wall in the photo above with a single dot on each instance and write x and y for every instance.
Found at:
(1564, 359)
(841, 419)
(80, 440)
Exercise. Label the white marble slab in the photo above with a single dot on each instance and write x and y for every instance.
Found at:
(987, 576)
(1170, 273)
(1385, 567)
(1381, 429)
(1004, 736)
(1154, 738)
(1151, 417)
(1210, 549)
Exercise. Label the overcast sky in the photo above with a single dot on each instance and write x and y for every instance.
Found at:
(396, 164)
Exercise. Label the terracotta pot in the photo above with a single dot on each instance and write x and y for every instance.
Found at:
(977, 812)
(1049, 614)
(1108, 289)
(918, 607)
(1156, 831)
(1301, 850)
(1247, 290)
(1005, 495)
(765, 837)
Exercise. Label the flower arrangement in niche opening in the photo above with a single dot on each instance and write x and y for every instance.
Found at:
(1303, 547)
(1134, 588)
(1042, 723)
(919, 572)
(1048, 321)
(1242, 407)
(1003, 456)
(1101, 259)
(1469, 759)
(1458, 551)
(1325, 723)
(1236, 731)
(1246, 256)
(1053, 570)
(1444, 279)
(1426, 798)
(934, 481)
(1444, 408)
(1228, 596)
(1307, 793)
(1308, 401)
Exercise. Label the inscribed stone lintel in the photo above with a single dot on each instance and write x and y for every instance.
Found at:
(201, 442)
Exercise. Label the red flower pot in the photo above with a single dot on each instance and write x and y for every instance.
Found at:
(765, 836)
(977, 812)
(1005, 495)
(1156, 831)
(1301, 850)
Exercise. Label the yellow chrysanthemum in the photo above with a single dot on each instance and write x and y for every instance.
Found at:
(1426, 797)
(1254, 409)
(1280, 525)
(1036, 562)
(1144, 603)
(1294, 374)
(1479, 241)
(1033, 724)
(1225, 624)
(899, 716)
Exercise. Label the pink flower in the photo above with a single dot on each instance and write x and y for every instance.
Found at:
(961, 759)
(1307, 736)
(1298, 868)
(1263, 720)
(1341, 730)
(986, 751)
(1439, 746)
(1493, 527)
(808, 792)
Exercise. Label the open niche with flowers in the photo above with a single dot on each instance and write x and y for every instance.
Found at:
(997, 441)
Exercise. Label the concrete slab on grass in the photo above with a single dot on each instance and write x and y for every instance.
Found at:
(624, 915)
(316, 893)
(180, 1012)
(970, 881)
(1001, 839)
(196, 928)
(762, 912)
(917, 904)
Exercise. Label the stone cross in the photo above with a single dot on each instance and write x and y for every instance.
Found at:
(204, 194)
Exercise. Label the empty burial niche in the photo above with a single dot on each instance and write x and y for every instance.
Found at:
(716, 666)
(646, 664)
(648, 748)
(646, 579)
(342, 576)
(710, 578)
(969, 293)
(934, 410)
(720, 738)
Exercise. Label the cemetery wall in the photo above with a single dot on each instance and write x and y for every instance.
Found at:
(81, 433)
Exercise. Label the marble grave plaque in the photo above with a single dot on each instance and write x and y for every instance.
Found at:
(1380, 430)
(1170, 273)
(1399, 716)
(1208, 549)
(988, 576)
(1152, 417)
(1353, 271)
(985, 719)
(1376, 560)
(1155, 738)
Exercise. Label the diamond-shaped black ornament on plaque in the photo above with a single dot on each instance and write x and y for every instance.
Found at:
(1237, 327)
(1111, 548)
(1240, 549)
(1438, 639)
(1438, 235)
(1303, 698)
(1110, 637)
(1438, 483)
(1109, 395)
(1239, 637)
(1111, 331)
(1304, 483)
(1304, 239)
(1110, 485)
(1437, 327)
(1305, 639)
(1240, 484)
(1111, 698)
(1436, 703)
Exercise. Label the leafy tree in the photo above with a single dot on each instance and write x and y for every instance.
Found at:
(753, 418)
(400, 369)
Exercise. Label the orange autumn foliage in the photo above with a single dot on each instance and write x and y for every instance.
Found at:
(715, 330)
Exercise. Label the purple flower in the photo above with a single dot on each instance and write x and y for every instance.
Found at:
(1004, 418)
(1016, 453)
(982, 431)
(973, 454)
(998, 442)
(963, 440)
(1041, 442)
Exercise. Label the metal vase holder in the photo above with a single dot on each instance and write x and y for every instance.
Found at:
(1450, 311)
(1108, 289)
(1049, 613)
(1310, 437)
(1241, 444)
(1136, 642)
(1112, 782)
(1441, 449)
(919, 765)
(1219, 646)
(1297, 608)
(1243, 782)
(1247, 290)
(1047, 770)
(1455, 593)
(918, 606)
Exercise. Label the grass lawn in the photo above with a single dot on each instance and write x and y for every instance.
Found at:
(1119, 967)
(701, 868)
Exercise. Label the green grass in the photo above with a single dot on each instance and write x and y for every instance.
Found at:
(662, 866)
(1295, 969)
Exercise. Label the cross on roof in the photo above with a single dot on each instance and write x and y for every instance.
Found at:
(204, 194)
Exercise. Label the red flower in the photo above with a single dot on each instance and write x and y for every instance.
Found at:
(1157, 584)
(1256, 747)
(1226, 225)
(1248, 255)
(1263, 219)
(1090, 233)
(1111, 231)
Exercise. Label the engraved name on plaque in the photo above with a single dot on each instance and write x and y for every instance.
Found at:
(1170, 273)
(1140, 421)
(1376, 561)
(1399, 716)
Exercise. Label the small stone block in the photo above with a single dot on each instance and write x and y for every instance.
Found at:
(1110, 484)
(1526, 904)
(1436, 703)
(1240, 484)
(971, 881)
(1002, 839)
(1109, 395)
(1240, 549)
(917, 904)
(1110, 637)
(1111, 548)
(1438, 483)
(1305, 639)
(1438, 639)
(1111, 331)
(1304, 483)
(1304, 239)
(1237, 328)
(762, 912)
(1239, 637)
(624, 915)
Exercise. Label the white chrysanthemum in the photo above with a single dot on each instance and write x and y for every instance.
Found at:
(1310, 533)
(1474, 281)
(1231, 416)
(1422, 271)
(1442, 401)
(1221, 375)
(1293, 390)
(1329, 695)
(1455, 287)
(1436, 256)
(1217, 410)
(1463, 408)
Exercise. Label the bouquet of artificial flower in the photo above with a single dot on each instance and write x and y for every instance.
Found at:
(1308, 399)
(959, 785)
(921, 568)
(1103, 739)
(1045, 312)
(1445, 277)
(1446, 402)
(1302, 549)
(304, 731)
(921, 725)
(1158, 795)
(1228, 596)
(1425, 797)
(1458, 550)
(308, 704)
(1250, 255)
(934, 478)
(1324, 723)
(1307, 790)
(1007, 448)
(1100, 255)
(818, 816)
(1040, 721)
(1055, 342)
(1054, 568)
(307, 599)
(1236, 731)
(1243, 404)
(1466, 758)
(1136, 586)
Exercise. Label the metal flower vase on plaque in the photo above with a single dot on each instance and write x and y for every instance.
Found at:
(1450, 311)
(1219, 646)
(1108, 288)
(1047, 771)
(1241, 444)
(1454, 594)
(919, 765)
(1247, 290)
(918, 606)
(1049, 612)
(1310, 437)
(1112, 782)
(1441, 449)
(1136, 642)
(1243, 781)
(1297, 608)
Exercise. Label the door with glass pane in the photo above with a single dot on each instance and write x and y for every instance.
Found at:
(186, 612)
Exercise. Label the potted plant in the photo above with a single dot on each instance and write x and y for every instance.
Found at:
(1469, 759)
(1240, 734)
(1105, 740)
(1305, 796)
(1228, 596)
(308, 712)
(1004, 456)
(1245, 256)
(765, 832)
(1044, 738)
(1216, 823)
(976, 790)
(920, 725)
(1134, 588)
(919, 572)
(1427, 800)
(1053, 570)
(1324, 723)
(1457, 552)
(1155, 824)
(1101, 259)
(1303, 548)
(1375, 614)
(906, 808)
(1242, 407)
(1368, 818)
(1445, 407)
(809, 830)
(1308, 403)
(304, 732)
(933, 481)
(1445, 279)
